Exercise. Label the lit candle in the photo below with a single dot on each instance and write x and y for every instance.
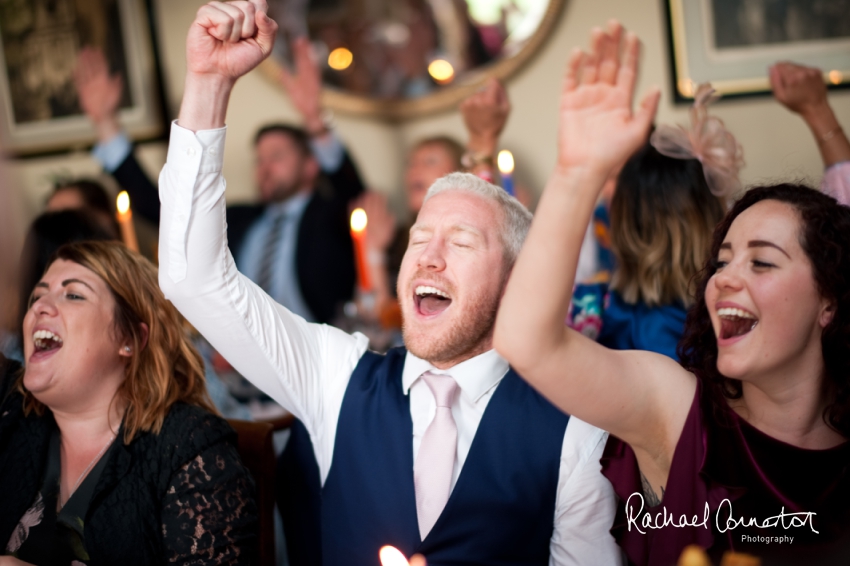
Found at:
(391, 556)
(125, 221)
(358, 236)
(505, 161)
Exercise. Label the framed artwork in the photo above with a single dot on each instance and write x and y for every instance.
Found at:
(40, 41)
(731, 43)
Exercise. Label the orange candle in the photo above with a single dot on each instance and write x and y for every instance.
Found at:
(125, 221)
(358, 236)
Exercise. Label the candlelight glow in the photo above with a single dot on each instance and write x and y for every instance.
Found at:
(441, 70)
(122, 203)
(391, 556)
(506, 162)
(340, 59)
(835, 77)
(358, 220)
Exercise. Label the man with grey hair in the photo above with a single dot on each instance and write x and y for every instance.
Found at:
(439, 448)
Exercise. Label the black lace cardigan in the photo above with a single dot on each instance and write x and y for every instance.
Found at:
(179, 497)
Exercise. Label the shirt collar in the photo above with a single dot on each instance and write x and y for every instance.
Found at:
(475, 376)
(294, 205)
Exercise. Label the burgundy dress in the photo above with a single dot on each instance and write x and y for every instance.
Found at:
(742, 475)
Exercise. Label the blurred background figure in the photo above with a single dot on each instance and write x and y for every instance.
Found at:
(85, 194)
(802, 90)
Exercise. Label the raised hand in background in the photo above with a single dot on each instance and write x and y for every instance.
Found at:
(802, 90)
(99, 92)
(484, 114)
(304, 86)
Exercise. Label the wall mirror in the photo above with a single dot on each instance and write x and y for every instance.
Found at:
(398, 59)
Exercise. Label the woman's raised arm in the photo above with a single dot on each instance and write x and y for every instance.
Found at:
(641, 397)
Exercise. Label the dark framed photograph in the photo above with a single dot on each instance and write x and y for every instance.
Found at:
(731, 43)
(40, 41)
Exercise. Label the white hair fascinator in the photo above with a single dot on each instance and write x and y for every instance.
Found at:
(707, 140)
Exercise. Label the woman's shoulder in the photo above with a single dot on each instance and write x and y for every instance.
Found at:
(187, 431)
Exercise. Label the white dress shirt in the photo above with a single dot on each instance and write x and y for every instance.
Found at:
(306, 367)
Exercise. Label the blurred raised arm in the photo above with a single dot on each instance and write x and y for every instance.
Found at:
(99, 92)
(802, 90)
(485, 114)
(304, 86)
(641, 397)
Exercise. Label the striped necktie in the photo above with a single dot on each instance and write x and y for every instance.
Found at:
(270, 252)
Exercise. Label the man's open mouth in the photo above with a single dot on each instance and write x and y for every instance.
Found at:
(735, 322)
(430, 300)
(45, 341)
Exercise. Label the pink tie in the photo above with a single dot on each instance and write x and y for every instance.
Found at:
(432, 471)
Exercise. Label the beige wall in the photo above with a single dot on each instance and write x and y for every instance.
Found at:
(776, 143)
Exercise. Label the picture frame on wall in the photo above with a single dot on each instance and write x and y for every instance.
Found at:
(39, 44)
(731, 43)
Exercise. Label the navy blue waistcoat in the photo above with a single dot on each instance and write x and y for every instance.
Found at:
(502, 508)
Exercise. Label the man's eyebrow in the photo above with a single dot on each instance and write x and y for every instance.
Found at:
(756, 244)
(467, 228)
(766, 244)
(67, 282)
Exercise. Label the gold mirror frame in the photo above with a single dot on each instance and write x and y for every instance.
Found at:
(446, 98)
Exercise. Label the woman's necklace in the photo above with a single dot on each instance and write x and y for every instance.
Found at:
(86, 471)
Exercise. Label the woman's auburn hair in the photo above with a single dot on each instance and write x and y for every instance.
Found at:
(825, 239)
(164, 369)
(662, 218)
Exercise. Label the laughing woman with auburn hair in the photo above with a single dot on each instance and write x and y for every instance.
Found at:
(110, 449)
(743, 446)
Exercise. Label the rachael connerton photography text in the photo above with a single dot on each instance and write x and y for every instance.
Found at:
(725, 519)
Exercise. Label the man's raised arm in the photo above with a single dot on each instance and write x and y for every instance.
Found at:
(305, 367)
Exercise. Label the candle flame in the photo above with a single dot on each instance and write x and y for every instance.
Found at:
(122, 203)
(391, 556)
(340, 59)
(505, 161)
(358, 220)
(835, 77)
(441, 71)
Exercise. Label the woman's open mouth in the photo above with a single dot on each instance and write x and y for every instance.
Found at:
(430, 301)
(45, 342)
(735, 322)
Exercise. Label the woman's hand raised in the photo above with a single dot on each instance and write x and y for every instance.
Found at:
(597, 128)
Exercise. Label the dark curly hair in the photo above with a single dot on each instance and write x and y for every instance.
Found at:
(825, 238)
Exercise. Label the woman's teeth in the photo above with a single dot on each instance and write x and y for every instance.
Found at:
(735, 322)
(733, 312)
(46, 340)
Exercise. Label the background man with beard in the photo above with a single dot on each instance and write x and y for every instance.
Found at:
(439, 449)
(295, 243)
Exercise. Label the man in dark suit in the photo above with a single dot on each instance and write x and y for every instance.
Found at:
(295, 242)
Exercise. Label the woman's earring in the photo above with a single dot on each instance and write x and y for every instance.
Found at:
(127, 349)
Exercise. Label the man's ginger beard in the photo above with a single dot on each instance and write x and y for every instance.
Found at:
(465, 337)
